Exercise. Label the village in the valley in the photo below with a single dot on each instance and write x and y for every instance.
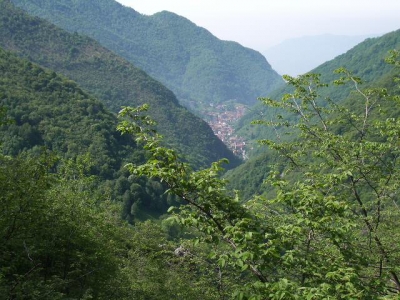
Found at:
(221, 119)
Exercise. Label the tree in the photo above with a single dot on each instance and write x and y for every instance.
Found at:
(57, 241)
(326, 231)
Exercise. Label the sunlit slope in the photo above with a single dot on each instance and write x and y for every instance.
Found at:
(366, 60)
(188, 59)
(111, 79)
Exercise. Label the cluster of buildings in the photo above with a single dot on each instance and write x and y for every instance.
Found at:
(221, 120)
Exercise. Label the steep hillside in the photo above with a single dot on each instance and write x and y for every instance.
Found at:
(61, 236)
(188, 59)
(111, 79)
(366, 60)
(52, 112)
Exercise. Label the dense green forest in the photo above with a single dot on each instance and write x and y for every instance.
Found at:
(197, 66)
(52, 112)
(61, 239)
(66, 202)
(327, 229)
(84, 192)
(111, 79)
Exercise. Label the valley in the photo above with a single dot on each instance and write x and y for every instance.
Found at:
(222, 119)
(111, 188)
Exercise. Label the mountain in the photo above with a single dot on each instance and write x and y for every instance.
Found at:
(52, 112)
(366, 60)
(111, 79)
(199, 68)
(300, 55)
(61, 236)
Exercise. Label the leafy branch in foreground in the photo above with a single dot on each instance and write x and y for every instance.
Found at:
(213, 211)
(328, 230)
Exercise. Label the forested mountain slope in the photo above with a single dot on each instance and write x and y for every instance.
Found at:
(325, 229)
(111, 79)
(52, 113)
(61, 232)
(366, 60)
(188, 59)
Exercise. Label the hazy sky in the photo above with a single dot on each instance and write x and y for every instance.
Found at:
(259, 24)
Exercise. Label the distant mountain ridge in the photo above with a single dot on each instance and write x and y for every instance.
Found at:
(111, 79)
(300, 55)
(188, 59)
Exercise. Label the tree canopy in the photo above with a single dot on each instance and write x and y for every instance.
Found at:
(327, 231)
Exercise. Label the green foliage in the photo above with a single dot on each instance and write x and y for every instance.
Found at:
(190, 61)
(60, 226)
(369, 55)
(249, 177)
(110, 78)
(55, 240)
(366, 60)
(161, 269)
(52, 112)
(62, 239)
(327, 231)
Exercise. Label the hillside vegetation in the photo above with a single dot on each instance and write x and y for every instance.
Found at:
(188, 59)
(67, 206)
(111, 79)
(366, 60)
(326, 228)
(84, 192)
(52, 113)
(62, 238)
